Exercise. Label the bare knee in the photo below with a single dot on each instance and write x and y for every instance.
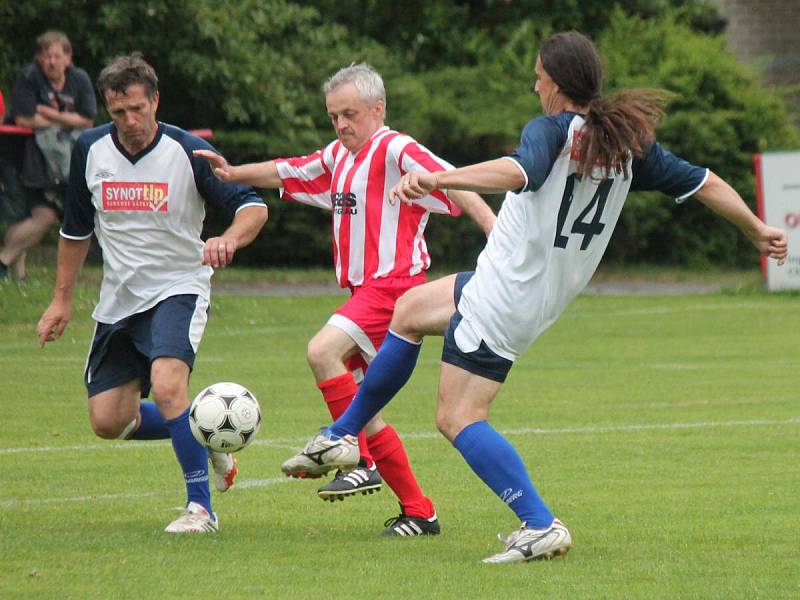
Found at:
(167, 394)
(317, 353)
(327, 351)
(111, 412)
(407, 307)
(106, 430)
(454, 414)
(169, 379)
(109, 426)
(447, 424)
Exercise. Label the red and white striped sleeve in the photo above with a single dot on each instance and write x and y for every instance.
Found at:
(307, 179)
(416, 157)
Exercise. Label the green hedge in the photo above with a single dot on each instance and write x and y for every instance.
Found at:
(721, 116)
(458, 77)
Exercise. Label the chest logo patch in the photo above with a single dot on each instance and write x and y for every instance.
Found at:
(344, 203)
(135, 196)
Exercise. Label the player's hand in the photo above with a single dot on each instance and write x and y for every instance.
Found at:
(218, 252)
(772, 242)
(412, 186)
(219, 166)
(53, 322)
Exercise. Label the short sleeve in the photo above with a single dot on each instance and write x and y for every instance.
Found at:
(540, 144)
(229, 197)
(78, 223)
(660, 170)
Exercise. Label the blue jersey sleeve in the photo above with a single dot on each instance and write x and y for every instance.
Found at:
(662, 171)
(229, 197)
(79, 211)
(540, 144)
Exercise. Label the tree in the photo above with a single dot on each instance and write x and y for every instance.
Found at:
(458, 76)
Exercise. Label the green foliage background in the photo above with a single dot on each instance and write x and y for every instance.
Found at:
(458, 77)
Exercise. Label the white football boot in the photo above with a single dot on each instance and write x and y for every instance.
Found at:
(195, 519)
(323, 454)
(533, 544)
(224, 469)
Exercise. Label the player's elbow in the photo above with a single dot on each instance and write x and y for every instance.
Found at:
(714, 186)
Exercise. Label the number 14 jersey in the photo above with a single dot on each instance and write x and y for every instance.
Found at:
(551, 234)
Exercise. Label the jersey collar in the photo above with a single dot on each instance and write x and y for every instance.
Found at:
(134, 158)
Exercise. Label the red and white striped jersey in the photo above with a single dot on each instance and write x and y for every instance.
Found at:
(372, 238)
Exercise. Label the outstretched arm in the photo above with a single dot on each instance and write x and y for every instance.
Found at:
(71, 255)
(720, 197)
(493, 176)
(262, 175)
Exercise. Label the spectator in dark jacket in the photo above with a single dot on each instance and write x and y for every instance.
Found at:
(58, 101)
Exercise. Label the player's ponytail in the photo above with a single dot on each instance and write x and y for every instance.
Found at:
(615, 125)
(618, 125)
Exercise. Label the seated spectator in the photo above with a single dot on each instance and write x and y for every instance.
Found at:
(14, 198)
(57, 100)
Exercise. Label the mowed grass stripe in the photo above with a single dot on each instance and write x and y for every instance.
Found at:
(661, 430)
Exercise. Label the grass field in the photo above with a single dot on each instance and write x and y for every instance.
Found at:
(664, 431)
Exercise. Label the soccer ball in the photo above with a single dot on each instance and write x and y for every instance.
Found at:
(225, 417)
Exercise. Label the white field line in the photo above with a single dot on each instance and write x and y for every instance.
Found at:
(296, 443)
(250, 483)
(662, 310)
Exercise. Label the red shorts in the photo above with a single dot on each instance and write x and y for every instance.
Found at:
(366, 316)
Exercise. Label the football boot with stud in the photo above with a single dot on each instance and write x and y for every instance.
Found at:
(195, 519)
(322, 454)
(526, 544)
(347, 483)
(406, 526)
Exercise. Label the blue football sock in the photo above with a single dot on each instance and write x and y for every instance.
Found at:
(387, 374)
(153, 426)
(500, 467)
(193, 459)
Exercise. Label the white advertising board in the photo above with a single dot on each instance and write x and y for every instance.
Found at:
(778, 193)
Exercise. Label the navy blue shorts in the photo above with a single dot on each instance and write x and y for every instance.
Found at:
(123, 351)
(483, 361)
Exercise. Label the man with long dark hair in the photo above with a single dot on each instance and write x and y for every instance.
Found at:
(566, 182)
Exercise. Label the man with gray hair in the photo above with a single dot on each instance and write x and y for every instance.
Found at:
(379, 252)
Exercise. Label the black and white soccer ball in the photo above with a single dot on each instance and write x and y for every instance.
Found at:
(225, 417)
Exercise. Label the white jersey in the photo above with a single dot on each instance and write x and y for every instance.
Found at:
(550, 236)
(372, 238)
(147, 213)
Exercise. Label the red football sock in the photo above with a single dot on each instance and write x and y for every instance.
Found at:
(338, 393)
(393, 465)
